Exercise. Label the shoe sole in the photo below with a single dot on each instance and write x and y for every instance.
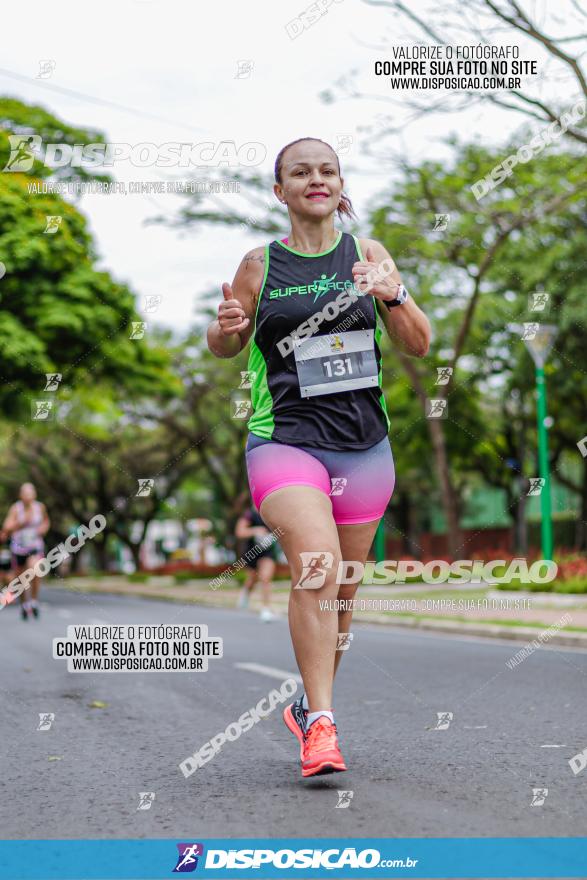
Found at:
(294, 727)
(323, 769)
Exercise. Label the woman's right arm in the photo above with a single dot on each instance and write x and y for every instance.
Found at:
(11, 523)
(243, 528)
(232, 329)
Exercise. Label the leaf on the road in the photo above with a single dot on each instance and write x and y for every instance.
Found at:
(97, 704)
(55, 757)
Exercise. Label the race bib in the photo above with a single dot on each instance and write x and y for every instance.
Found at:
(336, 362)
(27, 537)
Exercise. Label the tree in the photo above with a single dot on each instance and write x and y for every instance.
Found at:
(455, 270)
(57, 313)
(556, 36)
(25, 122)
(548, 258)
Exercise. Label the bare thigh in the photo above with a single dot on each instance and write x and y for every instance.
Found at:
(303, 515)
(304, 518)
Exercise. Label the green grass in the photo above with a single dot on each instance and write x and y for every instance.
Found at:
(572, 585)
(180, 577)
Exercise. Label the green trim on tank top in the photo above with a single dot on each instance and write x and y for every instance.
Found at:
(358, 247)
(322, 254)
(262, 288)
(262, 417)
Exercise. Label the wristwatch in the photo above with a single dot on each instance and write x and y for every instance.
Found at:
(402, 295)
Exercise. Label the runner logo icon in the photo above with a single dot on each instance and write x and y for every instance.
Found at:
(314, 567)
(187, 860)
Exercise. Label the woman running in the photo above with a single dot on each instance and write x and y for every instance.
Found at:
(27, 522)
(260, 560)
(319, 461)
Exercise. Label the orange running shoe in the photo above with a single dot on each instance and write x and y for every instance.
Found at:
(321, 753)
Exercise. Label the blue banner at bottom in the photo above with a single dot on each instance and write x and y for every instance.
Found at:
(378, 858)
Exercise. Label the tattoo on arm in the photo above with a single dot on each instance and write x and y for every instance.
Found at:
(253, 258)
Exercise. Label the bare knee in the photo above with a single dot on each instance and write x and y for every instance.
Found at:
(309, 590)
(308, 537)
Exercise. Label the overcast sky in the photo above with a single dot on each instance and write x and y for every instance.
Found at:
(153, 71)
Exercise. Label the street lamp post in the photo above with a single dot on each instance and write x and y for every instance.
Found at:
(539, 339)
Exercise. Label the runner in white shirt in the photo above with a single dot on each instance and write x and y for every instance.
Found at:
(27, 523)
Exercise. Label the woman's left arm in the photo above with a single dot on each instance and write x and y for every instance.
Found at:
(406, 325)
(45, 523)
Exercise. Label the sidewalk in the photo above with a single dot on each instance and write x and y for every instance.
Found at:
(521, 616)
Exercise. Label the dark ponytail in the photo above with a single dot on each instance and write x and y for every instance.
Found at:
(345, 206)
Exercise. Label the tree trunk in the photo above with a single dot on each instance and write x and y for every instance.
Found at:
(135, 550)
(450, 502)
(74, 563)
(406, 515)
(413, 541)
(581, 530)
(101, 550)
(402, 519)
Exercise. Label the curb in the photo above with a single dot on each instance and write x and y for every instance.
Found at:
(552, 600)
(490, 630)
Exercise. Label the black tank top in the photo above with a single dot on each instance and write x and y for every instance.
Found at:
(295, 287)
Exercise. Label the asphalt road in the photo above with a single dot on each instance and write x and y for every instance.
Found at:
(512, 730)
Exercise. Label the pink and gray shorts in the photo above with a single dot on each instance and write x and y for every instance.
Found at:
(359, 483)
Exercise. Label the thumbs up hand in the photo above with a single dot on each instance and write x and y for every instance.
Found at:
(375, 278)
(231, 315)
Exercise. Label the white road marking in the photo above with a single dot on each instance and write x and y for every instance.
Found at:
(549, 746)
(270, 671)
